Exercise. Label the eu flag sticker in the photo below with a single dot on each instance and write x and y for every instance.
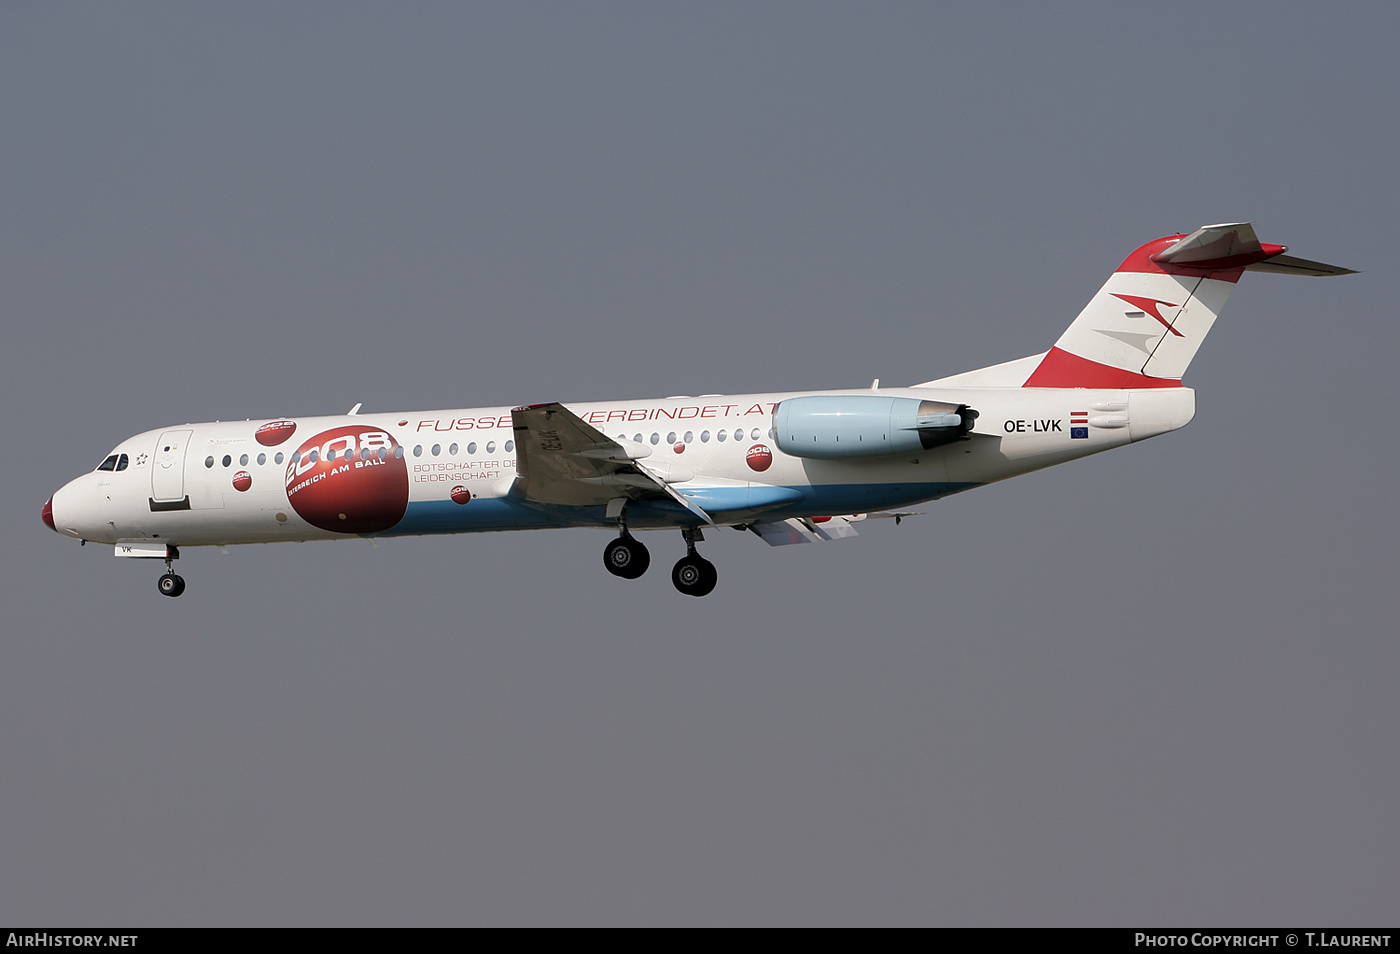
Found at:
(1079, 425)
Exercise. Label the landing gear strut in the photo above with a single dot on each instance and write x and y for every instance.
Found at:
(693, 575)
(626, 556)
(170, 582)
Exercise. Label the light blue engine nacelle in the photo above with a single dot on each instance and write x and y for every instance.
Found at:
(836, 426)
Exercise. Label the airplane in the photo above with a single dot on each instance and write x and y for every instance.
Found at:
(790, 467)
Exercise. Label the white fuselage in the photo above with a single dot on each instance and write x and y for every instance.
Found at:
(452, 471)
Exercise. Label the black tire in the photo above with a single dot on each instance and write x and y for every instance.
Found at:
(626, 557)
(707, 585)
(694, 575)
(179, 585)
(170, 585)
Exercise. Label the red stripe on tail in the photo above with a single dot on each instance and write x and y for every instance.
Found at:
(1060, 369)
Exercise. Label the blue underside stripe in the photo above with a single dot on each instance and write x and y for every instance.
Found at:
(488, 513)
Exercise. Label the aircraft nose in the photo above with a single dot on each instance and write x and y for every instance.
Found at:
(74, 511)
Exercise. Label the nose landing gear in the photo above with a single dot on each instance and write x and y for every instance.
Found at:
(170, 582)
(693, 575)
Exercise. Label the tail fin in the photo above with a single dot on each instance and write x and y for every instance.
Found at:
(1143, 327)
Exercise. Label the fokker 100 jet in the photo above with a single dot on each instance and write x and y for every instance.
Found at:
(791, 467)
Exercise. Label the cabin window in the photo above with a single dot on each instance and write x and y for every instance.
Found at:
(671, 437)
(637, 438)
(704, 437)
(510, 446)
(452, 450)
(722, 436)
(227, 460)
(753, 435)
(490, 447)
(655, 438)
(278, 458)
(262, 459)
(417, 450)
(208, 462)
(738, 433)
(243, 461)
(689, 436)
(437, 449)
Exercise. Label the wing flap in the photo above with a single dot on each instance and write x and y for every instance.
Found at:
(782, 533)
(561, 459)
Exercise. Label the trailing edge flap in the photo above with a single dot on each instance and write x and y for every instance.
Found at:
(782, 533)
(561, 459)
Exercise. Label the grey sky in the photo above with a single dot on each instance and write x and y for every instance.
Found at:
(1156, 687)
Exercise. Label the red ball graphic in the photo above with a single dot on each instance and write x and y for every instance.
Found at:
(759, 457)
(461, 495)
(242, 481)
(348, 479)
(275, 432)
(679, 447)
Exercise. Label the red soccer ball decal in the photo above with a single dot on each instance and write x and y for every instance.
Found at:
(349, 479)
(275, 432)
(679, 447)
(242, 481)
(461, 495)
(759, 457)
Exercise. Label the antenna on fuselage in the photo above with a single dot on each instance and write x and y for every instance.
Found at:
(354, 410)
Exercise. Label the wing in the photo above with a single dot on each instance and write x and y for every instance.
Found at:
(561, 459)
(781, 533)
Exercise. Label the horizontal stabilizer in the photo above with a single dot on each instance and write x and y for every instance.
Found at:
(1288, 265)
(1232, 245)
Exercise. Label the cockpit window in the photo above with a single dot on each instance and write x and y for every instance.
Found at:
(109, 464)
(121, 462)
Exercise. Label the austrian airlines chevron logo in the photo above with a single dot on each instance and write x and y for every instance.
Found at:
(1153, 307)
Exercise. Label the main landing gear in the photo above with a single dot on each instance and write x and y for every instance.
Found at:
(693, 575)
(170, 582)
(626, 557)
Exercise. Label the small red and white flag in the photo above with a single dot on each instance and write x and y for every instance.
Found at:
(1079, 425)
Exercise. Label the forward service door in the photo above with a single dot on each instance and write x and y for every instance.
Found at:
(168, 472)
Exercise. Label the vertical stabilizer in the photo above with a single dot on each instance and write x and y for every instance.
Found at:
(1145, 324)
(1143, 327)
